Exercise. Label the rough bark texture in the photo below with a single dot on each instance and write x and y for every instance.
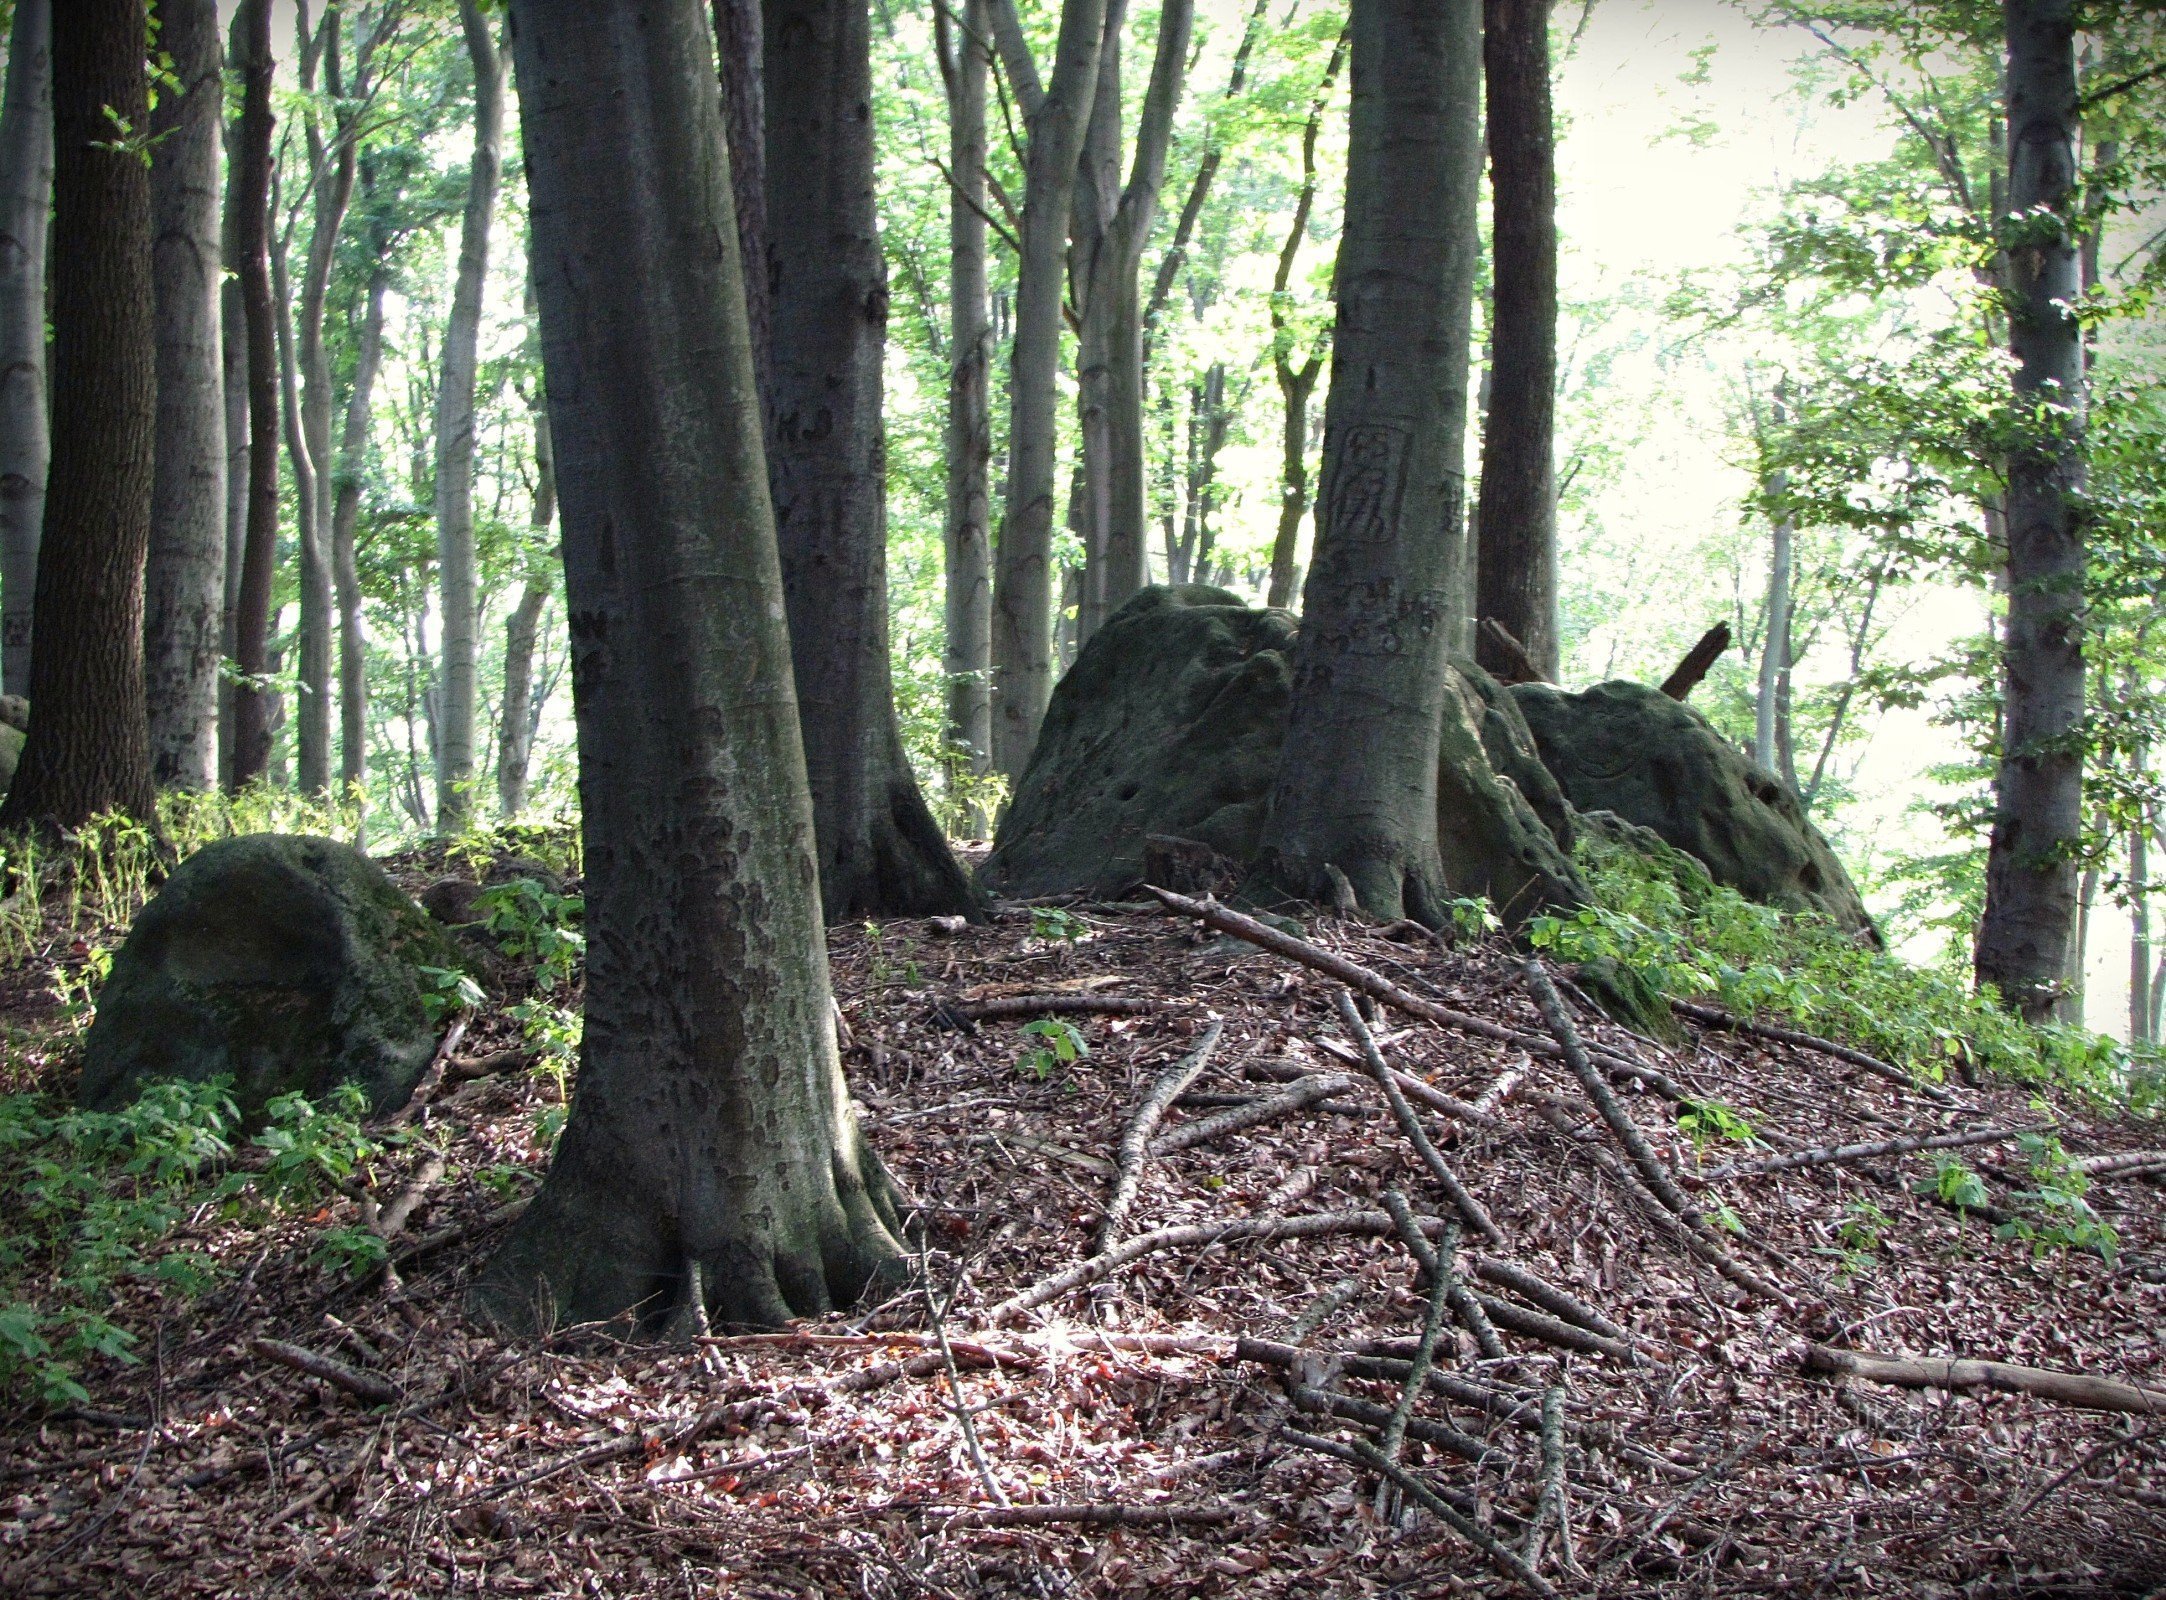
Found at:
(455, 433)
(2030, 907)
(711, 1145)
(251, 197)
(1357, 779)
(353, 680)
(968, 536)
(185, 582)
(1516, 573)
(881, 853)
(515, 729)
(1056, 115)
(89, 749)
(26, 200)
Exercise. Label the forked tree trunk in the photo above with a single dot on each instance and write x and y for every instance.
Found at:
(2030, 907)
(1357, 779)
(967, 657)
(1056, 114)
(1516, 571)
(185, 581)
(515, 728)
(881, 853)
(455, 433)
(26, 204)
(251, 199)
(353, 679)
(711, 1148)
(89, 746)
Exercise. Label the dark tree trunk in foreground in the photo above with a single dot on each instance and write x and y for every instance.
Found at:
(89, 746)
(26, 203)
(2030, 908)
(1055, 114)
(185, 582)
(251, 196)
(711, 1142)
(740, 44)
(881, 853)
(967, 658)
(1516, 571)
(1357, 779)
(455, 560)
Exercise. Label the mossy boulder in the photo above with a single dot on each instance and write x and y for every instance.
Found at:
(1169, 726)
(1658, 764)
(11, 754)
(283, 963)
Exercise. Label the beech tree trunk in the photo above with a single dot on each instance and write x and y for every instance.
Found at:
(711, 1160)
(515, 728)
(251, 199)
(312, 639)
(740, 46)
(185, 579)
(353, 679)
(1055, 115)
(881, 853)
(967, 654)
(1516, 571)
(455, 434)
(1775, 648)
(2030, 907)
(89, 748)
(233, 334)
(1357, 779)
(2139, 940)
(1296, 379)
(26, 203)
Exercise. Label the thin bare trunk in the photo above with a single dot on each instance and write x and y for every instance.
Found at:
(251, 199)
(26, 204)
(233, 331)
(515, 728)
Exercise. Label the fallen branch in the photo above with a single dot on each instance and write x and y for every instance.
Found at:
(1324, 1403)
(1440, 1265)
(1509, 654)
(1251, 1113)
(1925, 1372)
(2126, 1161)
(431, 1078)
(1519, 1280)
(1429, 1095)
(1556, 1331)
(1135, 1148)
(1090, 1516)
(1410, 1125)
(1504, 1560)
(1052, 1005)
(1834, 1154)
(361, 1385)
(1712, 1017)
(392, 1220)
(1686, 675)
(1314, 1225)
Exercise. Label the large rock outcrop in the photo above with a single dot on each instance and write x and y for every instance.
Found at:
(1629, 749)
(283, 963)
(1170, 723)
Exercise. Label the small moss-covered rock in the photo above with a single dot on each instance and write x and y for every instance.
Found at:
(283, 963)
(11, 754)
(1629, 749)
(1170, 724)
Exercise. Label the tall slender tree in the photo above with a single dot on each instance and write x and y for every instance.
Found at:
(712, 1165)
(89, 744)
(522, 632)
(353, 681)
(185, 582)
(881, 853)
(2030, 907)
(966, 661)
(1356, 790)
(455, 433)
(26, 204)
(233, 337)
(1516, 566)
(1056, 112)
(251, 203)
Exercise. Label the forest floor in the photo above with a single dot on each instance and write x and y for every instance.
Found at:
(1159, 1449)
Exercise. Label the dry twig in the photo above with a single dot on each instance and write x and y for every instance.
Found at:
(1926, 1372)
(1135, 1147)
(1410, 1125)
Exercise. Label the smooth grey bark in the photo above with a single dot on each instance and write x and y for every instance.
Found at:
(312, 639)
(712, 1159)
(1056, 114)
(740, 45)
(26, 205)
(184, 581)
(2030, 906)
(253, 698)
(1296, 379)
(353, 678)
(516, 724)
(1209, 418)
(881, 853)
(1516, 569)
(1775, 648)
(967, 537)
(1356, 788)
(88, 749)
(233, 334)
(1112, 223)
(2139, 941)
(455, 434)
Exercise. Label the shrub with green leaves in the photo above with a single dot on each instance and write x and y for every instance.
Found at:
(532, 922)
